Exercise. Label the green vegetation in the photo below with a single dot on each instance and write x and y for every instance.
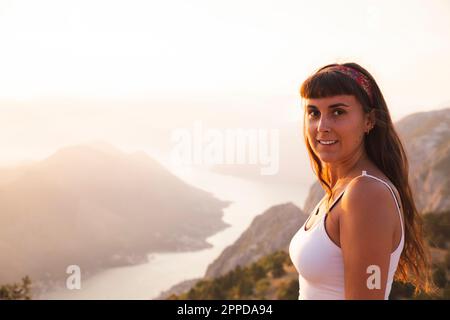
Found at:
(263, 279)
(437, 233)
(16, 291)
(437, 229)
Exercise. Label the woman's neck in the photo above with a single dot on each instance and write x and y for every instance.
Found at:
(340, 173)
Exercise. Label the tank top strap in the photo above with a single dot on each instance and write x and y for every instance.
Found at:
(343, 191)
(364, 173)
(336, 200)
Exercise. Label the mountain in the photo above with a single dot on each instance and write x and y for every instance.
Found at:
(97, 207)
(426, 136)
(270, 231)
(272, 277)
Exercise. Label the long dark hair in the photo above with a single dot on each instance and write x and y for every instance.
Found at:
(384, 148)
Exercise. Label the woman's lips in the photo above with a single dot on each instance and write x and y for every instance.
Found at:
(327, 142)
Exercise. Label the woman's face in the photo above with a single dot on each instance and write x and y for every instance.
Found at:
(335, 127)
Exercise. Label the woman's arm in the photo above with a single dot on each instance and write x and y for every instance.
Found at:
(366, 236)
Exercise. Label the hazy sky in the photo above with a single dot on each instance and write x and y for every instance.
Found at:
(179, 54)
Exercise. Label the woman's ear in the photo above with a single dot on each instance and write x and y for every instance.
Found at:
(370, 120)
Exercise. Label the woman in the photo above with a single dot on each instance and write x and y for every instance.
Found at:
(366, 229)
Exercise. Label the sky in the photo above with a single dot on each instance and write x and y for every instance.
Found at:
(159, 63)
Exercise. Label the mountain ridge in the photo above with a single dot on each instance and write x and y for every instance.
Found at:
(104, 208)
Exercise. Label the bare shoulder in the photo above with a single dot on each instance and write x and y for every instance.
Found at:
(366, 229)
(369, 203)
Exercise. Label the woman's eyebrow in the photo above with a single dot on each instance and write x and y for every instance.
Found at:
(335, 105)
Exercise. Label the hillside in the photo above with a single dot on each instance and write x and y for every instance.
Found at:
(97, 207)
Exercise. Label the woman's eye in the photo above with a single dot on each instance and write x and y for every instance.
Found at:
(313, 113)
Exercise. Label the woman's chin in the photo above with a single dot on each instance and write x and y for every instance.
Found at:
(327, 157)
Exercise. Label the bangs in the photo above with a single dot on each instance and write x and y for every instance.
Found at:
(330, 83)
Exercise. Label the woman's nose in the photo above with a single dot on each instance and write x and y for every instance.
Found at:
(323, 125)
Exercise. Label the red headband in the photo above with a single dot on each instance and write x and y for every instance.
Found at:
(360, 78)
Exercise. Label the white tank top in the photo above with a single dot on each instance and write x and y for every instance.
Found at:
(319, 260)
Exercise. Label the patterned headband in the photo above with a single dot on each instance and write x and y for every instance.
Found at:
(360, 78)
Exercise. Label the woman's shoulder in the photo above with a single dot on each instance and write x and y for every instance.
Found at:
(366, 197)
(368, 188)
(376, 184)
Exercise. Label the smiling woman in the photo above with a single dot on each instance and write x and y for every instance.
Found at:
(366, 231)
